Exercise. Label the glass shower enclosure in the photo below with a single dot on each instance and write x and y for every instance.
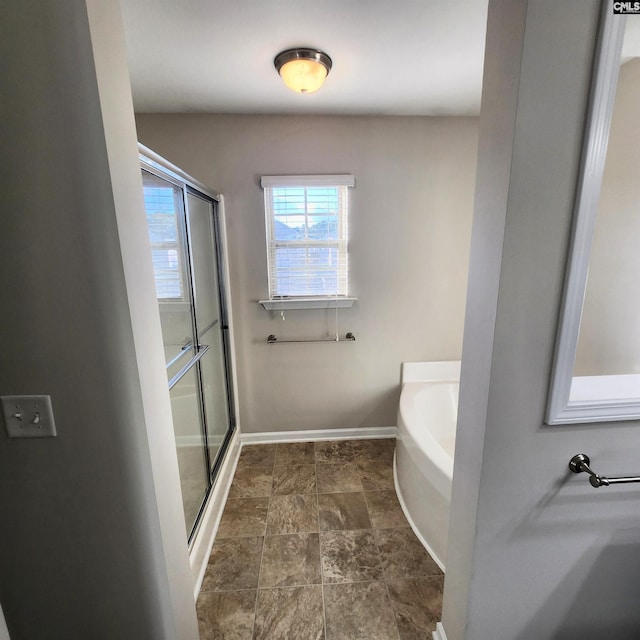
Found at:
(184, 230)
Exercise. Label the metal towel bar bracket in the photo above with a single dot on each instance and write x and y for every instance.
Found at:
(580, 463)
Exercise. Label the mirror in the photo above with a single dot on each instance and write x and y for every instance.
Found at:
(597, 363)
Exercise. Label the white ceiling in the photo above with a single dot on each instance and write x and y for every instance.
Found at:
(402, 57)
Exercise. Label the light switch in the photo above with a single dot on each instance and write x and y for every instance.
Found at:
(28, 416)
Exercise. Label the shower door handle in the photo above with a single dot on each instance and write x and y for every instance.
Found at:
(202, 349)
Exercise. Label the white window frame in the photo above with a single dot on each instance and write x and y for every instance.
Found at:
(337, 299)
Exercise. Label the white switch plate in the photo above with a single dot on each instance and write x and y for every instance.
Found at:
(28, 416)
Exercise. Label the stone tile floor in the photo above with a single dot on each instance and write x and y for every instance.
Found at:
(313, 545)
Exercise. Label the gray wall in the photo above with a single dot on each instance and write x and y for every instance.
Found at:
(535, 552)
(409, 243)
(86, 549)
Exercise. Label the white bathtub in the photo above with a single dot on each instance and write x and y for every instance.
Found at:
(423, 464)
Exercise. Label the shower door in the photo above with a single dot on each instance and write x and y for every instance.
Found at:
(185, 241)
(208, 319)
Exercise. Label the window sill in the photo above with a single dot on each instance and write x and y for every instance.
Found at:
(307, 303)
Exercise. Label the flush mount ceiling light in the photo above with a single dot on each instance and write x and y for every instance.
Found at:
(303, 70)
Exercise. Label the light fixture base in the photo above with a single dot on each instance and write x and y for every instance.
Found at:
(302, 53)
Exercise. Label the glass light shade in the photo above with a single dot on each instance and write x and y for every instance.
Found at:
(303, 76)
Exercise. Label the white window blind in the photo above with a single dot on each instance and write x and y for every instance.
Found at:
(307, 235)
(162, 212)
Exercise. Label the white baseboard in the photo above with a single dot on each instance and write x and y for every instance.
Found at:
(412, 524)
(315, 435)
(439, 633)
(206, 534)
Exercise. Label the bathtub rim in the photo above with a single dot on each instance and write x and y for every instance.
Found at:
(436, 371)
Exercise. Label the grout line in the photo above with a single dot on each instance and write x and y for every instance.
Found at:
(393, 607)
(230, 590)
(264, 540)
(341, 584)
(324, 609)
(293, 533)
(290, 586)
(384, 575)
(366, 502)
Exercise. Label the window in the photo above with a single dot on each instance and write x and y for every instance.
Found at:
(306, 223)
(163, 208)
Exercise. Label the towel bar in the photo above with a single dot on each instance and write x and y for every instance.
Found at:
(349, 337)
(580, 463)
